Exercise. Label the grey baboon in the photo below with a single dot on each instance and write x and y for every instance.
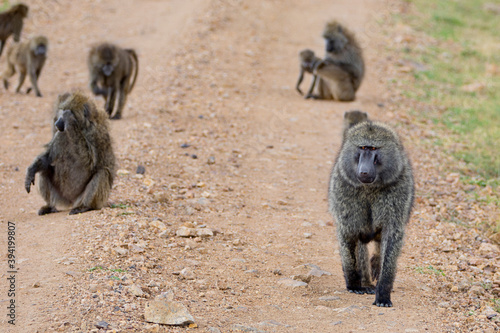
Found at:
(308, 62)
(352, 118)
(26, 58)
(77, 168)
(11, 22)
(111, 70)
(341, 72)
(371, 196)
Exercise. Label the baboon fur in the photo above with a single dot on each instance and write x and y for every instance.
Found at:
(78, 166)
(341, 72)
(11, 22)
(371, 211)
(352, 118)
(111, 70)
(26, 58)
(308, 62)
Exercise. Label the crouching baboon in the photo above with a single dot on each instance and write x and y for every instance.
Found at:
(11, 22)
(352, 118)
(26, 58)
(111, 70)
(308, 62)
(77, 168)
(371, 196)
(341, 72)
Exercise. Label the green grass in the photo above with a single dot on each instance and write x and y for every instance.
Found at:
(122, 206)
(4, 5)
(462, 77)
(100, 268)
(430, 270)
(496, 304)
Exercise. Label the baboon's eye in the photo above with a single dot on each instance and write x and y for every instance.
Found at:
(363, 147)
(373, 148)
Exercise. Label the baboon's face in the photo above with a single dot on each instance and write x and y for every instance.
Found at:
(367, 160)
(21, 10)
(68, 119)
(336, 43)
(41, 49)
(109, 61)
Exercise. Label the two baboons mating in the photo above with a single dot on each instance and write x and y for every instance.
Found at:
(371, 187)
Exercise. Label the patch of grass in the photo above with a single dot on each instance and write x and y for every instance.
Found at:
(125, 213)
(429, 270)
(462, 76)
(100, 268)
(496, 304)
(122, 206)
(96, 268)
(4, 5)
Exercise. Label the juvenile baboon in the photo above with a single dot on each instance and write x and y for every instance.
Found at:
(371, 196)
(352, 118)
(26, 58)
(111, 70)
(341, 72)
(11, 22)
(77, 168)
(308, 62)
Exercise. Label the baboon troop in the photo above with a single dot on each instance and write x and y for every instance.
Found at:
(78, 166)
(371, 196)
(341, 72)
(111, 69)
(371, 188)
(26, 58)
(11, 23)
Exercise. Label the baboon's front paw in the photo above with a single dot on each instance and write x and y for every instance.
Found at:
(383, 303)
(116, 117)
(79, 210)
(47, 210)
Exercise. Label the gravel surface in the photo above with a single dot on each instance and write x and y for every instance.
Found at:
(218, 215)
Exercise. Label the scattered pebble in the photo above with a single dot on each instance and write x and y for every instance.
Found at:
(162, 311)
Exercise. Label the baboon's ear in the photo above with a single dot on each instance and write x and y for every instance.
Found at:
(86, 110)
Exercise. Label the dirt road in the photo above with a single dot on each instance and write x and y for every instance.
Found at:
(219, 76)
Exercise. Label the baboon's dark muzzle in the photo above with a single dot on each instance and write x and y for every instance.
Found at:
(366, 167)
(60, 124)
(107, 70)
(40, 50)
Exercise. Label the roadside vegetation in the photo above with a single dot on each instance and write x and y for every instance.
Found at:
(455, 63)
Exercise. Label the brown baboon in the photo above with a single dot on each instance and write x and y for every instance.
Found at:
(342, 70)
(26, 58)
(111, 70)
(77, 168)
(308, 62)
(371, 195)
(353, 117)
(11, 22)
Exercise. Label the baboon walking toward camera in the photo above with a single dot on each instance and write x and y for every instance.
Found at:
(77, 168)
(11, 22)
(308, 62)
(341, 72)
(26, 58)
(111, 70)
(371, 196)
